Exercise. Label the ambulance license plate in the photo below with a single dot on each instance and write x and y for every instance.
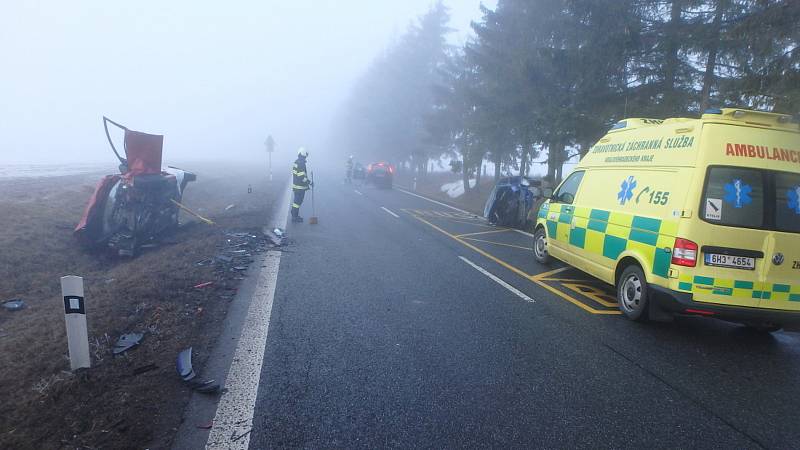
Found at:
(735, 262)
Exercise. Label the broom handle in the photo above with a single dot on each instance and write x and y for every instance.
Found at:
(179, 205)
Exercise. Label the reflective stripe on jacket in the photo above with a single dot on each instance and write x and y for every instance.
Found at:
(299, 177)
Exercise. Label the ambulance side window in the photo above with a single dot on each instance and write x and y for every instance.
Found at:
(787, 209)
(569, 188)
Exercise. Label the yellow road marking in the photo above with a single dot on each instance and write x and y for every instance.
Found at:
(475, 224)
(520, 272)
(452, 217)
(592, 293)
(492, 242)
(552, 272)
(576, 302)
(570, 280)
(447, 214)
(481, 232)
(467, 244)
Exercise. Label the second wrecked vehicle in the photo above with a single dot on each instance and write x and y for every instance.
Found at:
(514, 201)
(138, 205)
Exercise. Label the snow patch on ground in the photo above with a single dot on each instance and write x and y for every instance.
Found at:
(456, 188)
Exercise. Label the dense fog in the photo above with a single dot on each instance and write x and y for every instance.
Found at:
(214, 78)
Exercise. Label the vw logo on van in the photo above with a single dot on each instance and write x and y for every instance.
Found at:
(777, 259)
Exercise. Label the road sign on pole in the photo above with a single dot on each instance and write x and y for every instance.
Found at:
(75, 317)
(270, 144)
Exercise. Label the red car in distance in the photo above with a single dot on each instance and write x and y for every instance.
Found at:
(380, 174)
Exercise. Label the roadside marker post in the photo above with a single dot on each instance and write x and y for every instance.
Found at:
(75, 317)
(270, 145)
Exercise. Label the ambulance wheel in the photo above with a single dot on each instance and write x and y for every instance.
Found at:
(540, 246)
(632, 293)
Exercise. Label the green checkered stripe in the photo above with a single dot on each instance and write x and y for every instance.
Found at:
(610, 233)
(740, 288)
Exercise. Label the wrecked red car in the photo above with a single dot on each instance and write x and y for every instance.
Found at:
(138, 205)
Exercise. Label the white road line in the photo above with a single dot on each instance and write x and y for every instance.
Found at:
(395, 215)
(511, 288)
(233, 421)
(434, 201)
(357, 192)
(523, 232)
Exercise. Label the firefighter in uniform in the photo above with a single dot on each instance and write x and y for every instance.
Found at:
(300, 183)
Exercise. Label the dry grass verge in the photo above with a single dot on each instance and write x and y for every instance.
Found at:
(109, 406)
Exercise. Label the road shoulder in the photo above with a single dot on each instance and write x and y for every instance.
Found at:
(201, 413)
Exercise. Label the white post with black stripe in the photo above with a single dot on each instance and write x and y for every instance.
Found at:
(75, 316)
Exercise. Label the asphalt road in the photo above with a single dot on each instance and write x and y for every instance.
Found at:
(382, 336)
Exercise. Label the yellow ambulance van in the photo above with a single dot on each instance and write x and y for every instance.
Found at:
(687, 216)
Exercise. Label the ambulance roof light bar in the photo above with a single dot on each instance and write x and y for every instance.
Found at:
(753, 117)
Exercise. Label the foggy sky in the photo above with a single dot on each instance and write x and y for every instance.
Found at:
(214, 77)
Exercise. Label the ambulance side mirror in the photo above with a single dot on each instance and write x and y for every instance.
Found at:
(547, 193)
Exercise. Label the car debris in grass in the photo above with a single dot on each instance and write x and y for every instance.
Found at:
(127, 342)
(144, 369)
(14, 304)
(147, 297)
(183, 364)
(276, 236)
(205, 386)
